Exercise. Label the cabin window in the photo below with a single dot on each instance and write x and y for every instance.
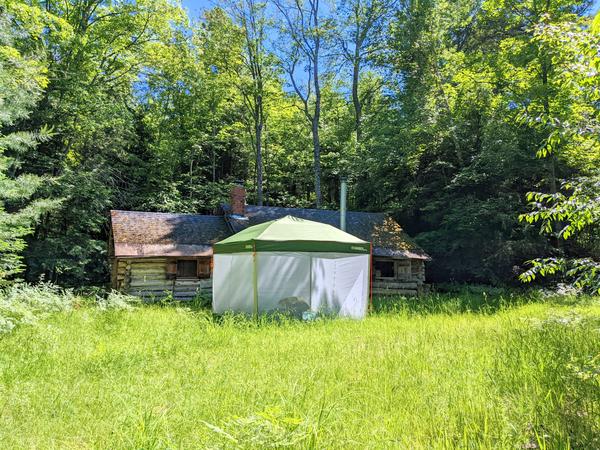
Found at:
(384, 269)
(190, 268)
(187, 268)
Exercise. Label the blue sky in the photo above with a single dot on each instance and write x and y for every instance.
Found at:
(195, 7)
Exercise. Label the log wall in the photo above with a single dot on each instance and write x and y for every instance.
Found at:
(147, 278)
(409, 279)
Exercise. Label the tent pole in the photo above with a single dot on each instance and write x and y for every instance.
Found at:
(255, 280)
(371, 277)
(310, 285)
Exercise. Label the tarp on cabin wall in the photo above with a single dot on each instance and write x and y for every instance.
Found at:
(325, 282)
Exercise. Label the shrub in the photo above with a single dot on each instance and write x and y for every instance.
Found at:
(117, 300)
(25, 303)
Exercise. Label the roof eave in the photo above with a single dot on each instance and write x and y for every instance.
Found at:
(161, 250)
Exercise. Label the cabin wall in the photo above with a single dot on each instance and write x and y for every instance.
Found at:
(148, 278)
(408, 277)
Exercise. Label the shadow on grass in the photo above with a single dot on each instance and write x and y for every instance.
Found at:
(446, 304)
(470, 299)
(480, 302)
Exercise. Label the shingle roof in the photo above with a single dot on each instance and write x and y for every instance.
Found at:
(385, 233)
(137, 233)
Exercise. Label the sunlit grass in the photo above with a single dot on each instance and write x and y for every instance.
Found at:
(438, 374)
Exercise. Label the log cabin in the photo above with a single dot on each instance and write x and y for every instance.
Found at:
(153, 255)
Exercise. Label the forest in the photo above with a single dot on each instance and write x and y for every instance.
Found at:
(474, 123)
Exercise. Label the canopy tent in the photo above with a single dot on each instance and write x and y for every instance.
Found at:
(292, 265)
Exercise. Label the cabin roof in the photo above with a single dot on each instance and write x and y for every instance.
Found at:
(387, 236)
(137, 233)
(144, 234)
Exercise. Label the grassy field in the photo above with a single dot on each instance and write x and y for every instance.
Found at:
(445, 372)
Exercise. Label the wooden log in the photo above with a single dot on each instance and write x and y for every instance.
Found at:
(409, 292)
(148, 276)
(187, 289)
(193, 289)
(159, 267)
(187, 285)
(395, 284)
(185, 294)
(145, 260)
(152, 287)
(158, 294)
(199, 282)
(138, 262)
(150, 284)
(149, 269)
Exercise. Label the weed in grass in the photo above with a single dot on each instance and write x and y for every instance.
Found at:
(268, 428)
(22, 304)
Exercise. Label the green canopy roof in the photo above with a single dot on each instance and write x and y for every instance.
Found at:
(292, 234)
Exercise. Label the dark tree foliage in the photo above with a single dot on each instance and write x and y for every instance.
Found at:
(445, 114)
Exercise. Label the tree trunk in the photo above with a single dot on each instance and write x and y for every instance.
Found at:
(317, 159)
(355, 98)
(317, 114)
(259, 161)
(545, 68)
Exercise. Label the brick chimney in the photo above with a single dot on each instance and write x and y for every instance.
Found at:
(238, 200)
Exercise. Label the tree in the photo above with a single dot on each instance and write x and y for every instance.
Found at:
(572, 128)
(23, 76)
(90, 101)
(195, 117)
(250, 16)
(302, 24)
(361, 36)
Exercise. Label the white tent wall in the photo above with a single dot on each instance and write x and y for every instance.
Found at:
(331, 283)
(233, 283)
(340, 284)
(281, 277)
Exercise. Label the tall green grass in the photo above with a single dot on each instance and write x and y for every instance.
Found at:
(448, 371)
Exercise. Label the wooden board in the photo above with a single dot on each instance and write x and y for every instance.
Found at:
(409, 292)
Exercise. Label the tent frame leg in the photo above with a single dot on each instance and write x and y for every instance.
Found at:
(371, 277)
(255, 280)
(310, 283)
